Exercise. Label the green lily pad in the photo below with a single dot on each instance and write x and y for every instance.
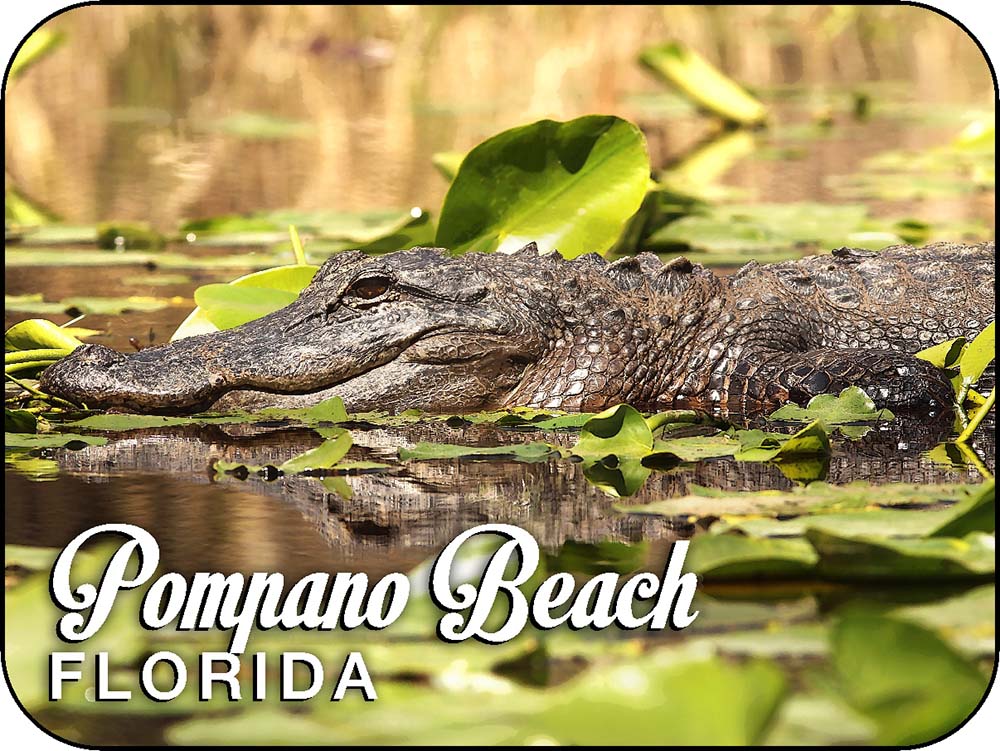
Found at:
(664, 701)
(975, 514)
(738, 557)
(918, 559)
(978, 355)
(323, 457)
(49, 440)
(944, 355)
(813, 440)
(19, 421)
(568, 186)
(619, 431)
(851, 405)
(37, 333)
(770, 226)
(107, 306)
(908, 680)
(703, 83)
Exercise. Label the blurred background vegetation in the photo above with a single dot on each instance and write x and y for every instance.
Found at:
(166, 113)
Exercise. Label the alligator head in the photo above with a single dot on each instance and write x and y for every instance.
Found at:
(415, 328)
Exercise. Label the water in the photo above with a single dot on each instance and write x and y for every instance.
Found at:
(166, 114)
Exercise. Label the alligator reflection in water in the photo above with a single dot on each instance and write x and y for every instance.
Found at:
(391, 519)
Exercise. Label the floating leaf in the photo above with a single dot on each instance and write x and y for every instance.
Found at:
(851, 405)
(568, 186)
(812, 440)
(734, 556)
(703, 83)
(684, 703)
(19, 421)
(87, 305)
(619, 431)
(37, 333)
(771, 226)
(975, 514)
(128, 236)
(917, 559)
(907, 679)
(49, 440)
(323, 457)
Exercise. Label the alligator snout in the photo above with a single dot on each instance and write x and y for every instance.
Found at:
(101, 378)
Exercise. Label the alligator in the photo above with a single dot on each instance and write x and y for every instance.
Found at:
(422, 328)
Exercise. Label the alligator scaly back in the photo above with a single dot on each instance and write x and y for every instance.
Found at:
(425, 329)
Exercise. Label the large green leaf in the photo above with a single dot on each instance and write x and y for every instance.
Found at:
(224, 306)
(323, 456)
(738, 557)
(703, 83)
(915, 559)
(37, 333)
(907, 679)
(569, 186)
(661, 700)
(619, 431)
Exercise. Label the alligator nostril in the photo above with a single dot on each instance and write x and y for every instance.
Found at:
(97, 354)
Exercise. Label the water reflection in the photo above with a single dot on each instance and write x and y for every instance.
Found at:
(164, 480)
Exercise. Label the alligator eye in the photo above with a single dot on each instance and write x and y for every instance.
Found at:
(369, 287)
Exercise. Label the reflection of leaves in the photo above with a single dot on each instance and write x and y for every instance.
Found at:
(570, 186)
(910, 682)
(851, 405)
(260, 125)
(617, 477)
